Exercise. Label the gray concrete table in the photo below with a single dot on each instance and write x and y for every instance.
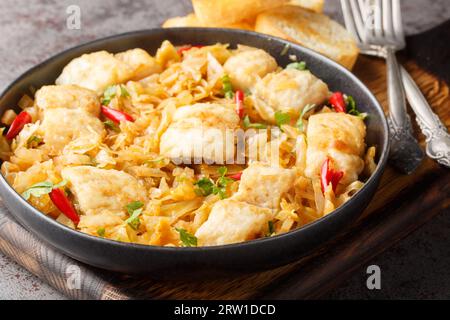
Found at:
(33, 30)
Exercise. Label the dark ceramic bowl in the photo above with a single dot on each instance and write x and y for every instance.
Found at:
(243, 257)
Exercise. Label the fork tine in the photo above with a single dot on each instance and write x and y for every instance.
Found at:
(397, 20)
(378, 16)
(359, 20)
(350, 21)
(388, 25)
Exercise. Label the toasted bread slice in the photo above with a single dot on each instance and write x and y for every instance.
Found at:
(312, 30)
(314, 5)
(226, 12)
(181, 22)
(191, 21)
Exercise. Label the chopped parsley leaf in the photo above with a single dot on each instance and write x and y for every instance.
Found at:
(187, 239)
(282, 118)
(124, 92)
(222, 183)
(271, 231)
(308, 108)
(34, 141)
(249, 125)
(42, 188)
(111, 92)
(227, 87)
(111, 125)
(101, 232)
(134, 210)
(222, 171)
(297, 65)
(352, 109)
(204, 187)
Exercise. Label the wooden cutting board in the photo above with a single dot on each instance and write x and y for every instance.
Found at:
(401, 205)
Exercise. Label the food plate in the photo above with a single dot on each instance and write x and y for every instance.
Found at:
(247, 256)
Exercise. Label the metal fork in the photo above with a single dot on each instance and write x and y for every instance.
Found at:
(382, 40)
(384, 34)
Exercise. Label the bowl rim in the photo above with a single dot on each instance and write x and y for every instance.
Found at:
(204, 249)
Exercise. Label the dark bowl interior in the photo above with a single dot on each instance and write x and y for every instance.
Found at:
(244, 257)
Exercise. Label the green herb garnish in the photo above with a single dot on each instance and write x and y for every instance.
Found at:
(111, 92)
(352, 109)
(187, 239)
(222, 171)
(271, 231)
(308, 108)
(248, 124)
(101, 232)
(111, 125)
(42, 188)
(282, 118)
(124, 92)
(221, 185)
(34, 141)
(227, 87)
(297, 65)
(206, 186)
(134, 210)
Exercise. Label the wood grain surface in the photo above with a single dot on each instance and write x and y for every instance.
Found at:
(401, 205)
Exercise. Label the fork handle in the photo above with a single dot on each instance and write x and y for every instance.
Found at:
(396, 94)
(438, 138)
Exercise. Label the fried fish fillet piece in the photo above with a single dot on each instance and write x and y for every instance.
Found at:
(247, 66)
(66, 128)
(69, 97)
(100, 190)
(203, 131)
(289, 91)
(340, 137)
(232, 221)
(264, 185)
(141, 63)
(95, 71)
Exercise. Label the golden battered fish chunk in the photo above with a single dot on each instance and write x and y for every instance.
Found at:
(64, 127)
(142, 64)
(201, 131)
(263, 185)
(69, 97)
(233, 221)
(95, 71)
(340, 137)
(247, 66)
(100, 190)
(290, 91)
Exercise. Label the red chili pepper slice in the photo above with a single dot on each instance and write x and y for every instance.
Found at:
(328, 175)
(19, 122)
(338, 102)
(187, 48)
(116, 115)
(236, 176)
(64, 205)
(239, 98)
